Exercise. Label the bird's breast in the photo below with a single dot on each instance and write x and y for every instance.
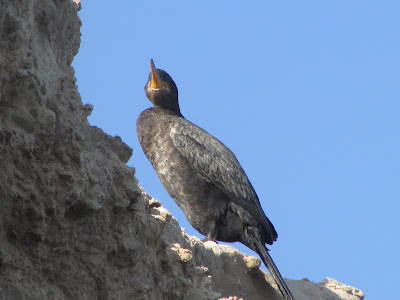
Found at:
(195, 196)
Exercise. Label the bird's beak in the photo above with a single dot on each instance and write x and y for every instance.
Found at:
(155, 81)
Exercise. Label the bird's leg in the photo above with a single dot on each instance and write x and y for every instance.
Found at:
(211, 236)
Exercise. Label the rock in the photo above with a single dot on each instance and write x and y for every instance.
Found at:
(344, 291)
(75, 223)
(328, 289)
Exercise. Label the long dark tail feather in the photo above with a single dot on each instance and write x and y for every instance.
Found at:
(273, 270)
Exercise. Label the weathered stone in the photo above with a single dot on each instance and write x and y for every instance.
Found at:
(74, 222)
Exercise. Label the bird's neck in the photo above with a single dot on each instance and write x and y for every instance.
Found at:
(171, 106)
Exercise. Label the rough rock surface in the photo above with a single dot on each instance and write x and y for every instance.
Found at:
(74, 222)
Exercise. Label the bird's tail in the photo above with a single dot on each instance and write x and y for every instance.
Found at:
(273, 270)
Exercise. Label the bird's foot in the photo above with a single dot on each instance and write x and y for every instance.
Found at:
(207, 239)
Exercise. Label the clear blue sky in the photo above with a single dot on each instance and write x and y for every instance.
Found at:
(305, 93)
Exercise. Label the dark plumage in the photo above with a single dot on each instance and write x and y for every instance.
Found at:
(202, 175)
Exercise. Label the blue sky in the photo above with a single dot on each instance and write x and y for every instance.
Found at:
(306, 94)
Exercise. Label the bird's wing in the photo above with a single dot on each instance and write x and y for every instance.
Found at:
(217, 165)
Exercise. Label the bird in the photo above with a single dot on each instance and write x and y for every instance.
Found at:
(202, 175)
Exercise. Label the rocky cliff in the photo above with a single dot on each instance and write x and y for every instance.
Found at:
(74, 222)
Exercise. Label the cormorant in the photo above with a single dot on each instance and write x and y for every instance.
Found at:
(202, 175)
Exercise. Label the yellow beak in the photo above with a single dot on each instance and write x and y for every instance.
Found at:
(155, 81)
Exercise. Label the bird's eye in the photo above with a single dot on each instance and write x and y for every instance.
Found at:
(149, 77)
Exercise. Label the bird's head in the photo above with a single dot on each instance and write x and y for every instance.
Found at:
(161, 90)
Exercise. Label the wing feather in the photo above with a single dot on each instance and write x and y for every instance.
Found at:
(219, 166)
